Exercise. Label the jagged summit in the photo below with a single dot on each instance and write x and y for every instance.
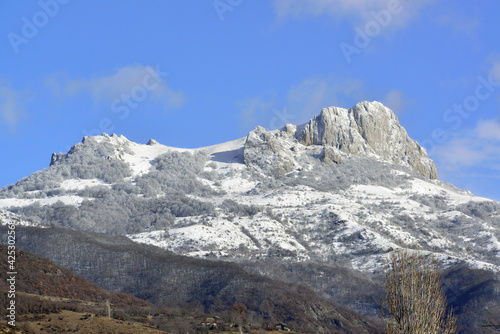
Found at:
(345, 183)
(368, 128)
(152, 142)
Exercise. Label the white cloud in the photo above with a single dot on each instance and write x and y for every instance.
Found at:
(459, 23)
(460, 152)
(170, 98)
(302, 102)
(254, 111)
(136, 82)
(494, 73)
(495, 70)
(311, 95)
(488, 130)
(396, 101)
(360, 10)
(477, 148)
(11, 107)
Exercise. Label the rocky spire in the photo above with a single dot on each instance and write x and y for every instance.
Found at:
(371, 128)
(367, 128)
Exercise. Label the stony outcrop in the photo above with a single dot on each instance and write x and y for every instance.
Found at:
(330, 155)
(152, 142)
(269, 152)
(368, 128)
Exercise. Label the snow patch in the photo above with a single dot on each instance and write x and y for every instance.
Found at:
(80, 184)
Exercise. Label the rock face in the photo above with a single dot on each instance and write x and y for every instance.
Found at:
(330, 155)
(55, 157)
(269, 151)
(367, 128)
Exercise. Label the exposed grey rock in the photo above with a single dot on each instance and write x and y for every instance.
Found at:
(152, 142)
(290, 130)
(370, 128)
(55, 157)
(330, 155)
(269, 152)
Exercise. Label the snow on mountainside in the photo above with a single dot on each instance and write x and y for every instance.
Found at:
(7, 218)
(359, 225)
(343, 189)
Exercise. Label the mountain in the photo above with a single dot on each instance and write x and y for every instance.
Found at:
(367, 128)
(41, 277)
(334, 195)
(166, 279)
(347, 187)
(50, 298)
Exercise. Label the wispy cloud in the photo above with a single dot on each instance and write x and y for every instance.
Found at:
(397, 101)
(494, 73)
(359, 10)
(11, 107)
(254, 110)
(495, 69)
(477, 148)
(462, 20)
(459, 23)
(301, 102)
(488, 130)
(130, 82)
(311, 95)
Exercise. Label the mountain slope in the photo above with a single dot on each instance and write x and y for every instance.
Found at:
(169, 280)
(42, 278)
(166, 279)
(50, 298)
(340, 191)
(346, 187)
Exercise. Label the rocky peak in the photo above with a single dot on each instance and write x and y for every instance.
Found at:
(367, 128)
(106, 146)
(152, 142)
(270, 151)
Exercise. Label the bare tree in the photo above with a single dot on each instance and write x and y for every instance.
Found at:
(414, 300)
(108, 308)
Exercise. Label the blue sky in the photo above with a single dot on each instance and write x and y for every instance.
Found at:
(197, 73)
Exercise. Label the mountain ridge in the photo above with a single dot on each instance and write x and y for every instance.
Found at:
(170, 280)
(368, 128)
(332, 193)
(295, 193)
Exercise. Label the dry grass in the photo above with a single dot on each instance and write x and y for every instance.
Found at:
(75, 322)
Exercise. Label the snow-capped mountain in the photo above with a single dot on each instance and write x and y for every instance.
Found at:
(343, 189)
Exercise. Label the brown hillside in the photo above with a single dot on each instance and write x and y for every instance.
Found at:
(173, 281)
(41, 277)
(75, 322)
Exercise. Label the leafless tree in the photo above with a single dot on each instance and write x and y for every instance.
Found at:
(108, 308)
(414, 300)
